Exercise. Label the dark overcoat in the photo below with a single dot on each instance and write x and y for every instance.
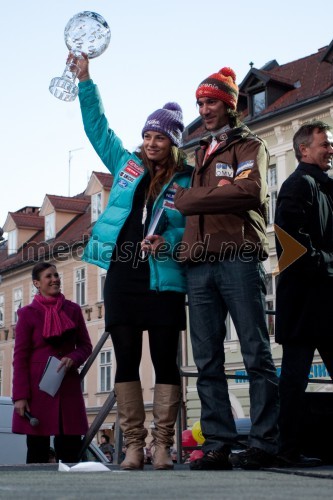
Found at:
(304, 294)
(31, 353)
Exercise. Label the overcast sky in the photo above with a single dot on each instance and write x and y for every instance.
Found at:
(159, 52)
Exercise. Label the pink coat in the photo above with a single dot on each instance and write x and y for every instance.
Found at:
(31, 353)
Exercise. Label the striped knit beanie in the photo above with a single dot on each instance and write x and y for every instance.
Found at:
(168, 121)
(222, 86)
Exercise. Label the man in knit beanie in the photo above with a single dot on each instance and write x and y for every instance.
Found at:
(221, 86)
(225, 234)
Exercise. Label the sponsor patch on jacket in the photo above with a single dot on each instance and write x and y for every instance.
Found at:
(122, 183)
(169, 196)
(224, 170)
(132, 171)
(135, 166)
(169, 204)
(126, 176)
(243, 175)
(245, 165)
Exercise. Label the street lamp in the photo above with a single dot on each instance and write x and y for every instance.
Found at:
(70, 155)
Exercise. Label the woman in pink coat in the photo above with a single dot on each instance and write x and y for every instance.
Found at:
(50, 326)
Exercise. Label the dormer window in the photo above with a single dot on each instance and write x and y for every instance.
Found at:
(258, 102)
(50, 226)
(96, 206)
(12, 241)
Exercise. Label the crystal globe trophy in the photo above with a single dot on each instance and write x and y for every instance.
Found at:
(88, 33)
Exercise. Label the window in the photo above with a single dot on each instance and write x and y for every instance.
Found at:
(272, 190)
(50, 226)
(17, 303)
(2, 310)
(105, 370)
(96, 206)
(83, 381)
(12, 241)
(33, 291)
(258, 102)
(102, 277)
(80, 286)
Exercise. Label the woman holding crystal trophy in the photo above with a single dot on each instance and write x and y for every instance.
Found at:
(136, 239)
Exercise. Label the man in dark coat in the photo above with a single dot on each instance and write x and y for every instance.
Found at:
(304, 242)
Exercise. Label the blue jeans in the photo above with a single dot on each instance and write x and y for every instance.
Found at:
(237, 287)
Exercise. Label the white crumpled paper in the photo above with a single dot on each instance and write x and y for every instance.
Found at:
(83, 467)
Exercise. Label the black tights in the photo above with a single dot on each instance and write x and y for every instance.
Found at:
(67, 448)
(163, 344)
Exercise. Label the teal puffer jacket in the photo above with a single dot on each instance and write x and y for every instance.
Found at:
(166, 273)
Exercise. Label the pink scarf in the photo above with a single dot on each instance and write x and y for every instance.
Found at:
(56, 320)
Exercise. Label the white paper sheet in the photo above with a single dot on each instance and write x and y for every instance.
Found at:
(51, 379)
(83, 467)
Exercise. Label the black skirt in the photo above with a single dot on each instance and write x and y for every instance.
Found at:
(128, 299)
(145, 310)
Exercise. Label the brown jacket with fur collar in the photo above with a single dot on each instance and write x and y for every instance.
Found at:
(227, 205)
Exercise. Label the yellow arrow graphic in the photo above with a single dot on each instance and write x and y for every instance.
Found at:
(292, 250)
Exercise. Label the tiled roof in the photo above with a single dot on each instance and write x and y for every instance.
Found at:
(27, 221)
(105, 179)
(69, 204)
(312, 75)
(23, 255)
(276, 77)
(75, 233)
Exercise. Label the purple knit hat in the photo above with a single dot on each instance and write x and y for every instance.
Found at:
(168, 121)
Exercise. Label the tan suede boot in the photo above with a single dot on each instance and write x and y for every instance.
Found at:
(132, 416)
(165, 411)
